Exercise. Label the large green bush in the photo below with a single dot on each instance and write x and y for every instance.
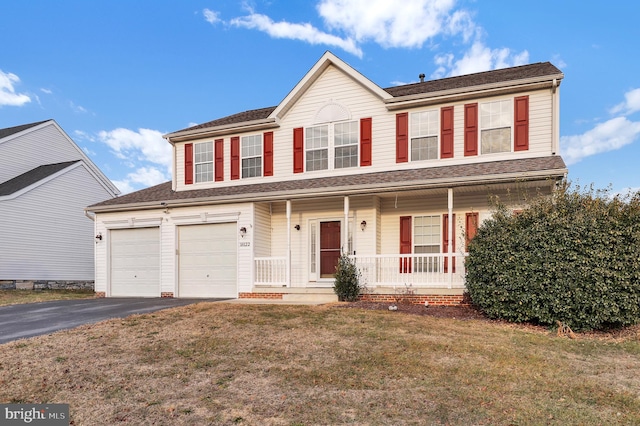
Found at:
(347, 279)
(572, 257)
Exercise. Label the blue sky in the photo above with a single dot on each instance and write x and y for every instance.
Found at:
(117, 75)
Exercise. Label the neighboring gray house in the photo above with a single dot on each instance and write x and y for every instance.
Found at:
(46, 181)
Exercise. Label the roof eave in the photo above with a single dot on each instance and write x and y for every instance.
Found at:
(245, 126)
(474, 92)
(338, 191)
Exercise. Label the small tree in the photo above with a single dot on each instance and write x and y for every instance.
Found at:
(571, 258)
(347, 279)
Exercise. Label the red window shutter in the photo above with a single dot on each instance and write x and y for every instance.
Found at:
(471, 129)
(268, 153)
(188, 164)
(402, 137)
(446, 132)
(521, 123)
(219, 158)
(445, 242)
(298, 150)
(235, 157)
(405, 243)
(365, 142)
(471, 228)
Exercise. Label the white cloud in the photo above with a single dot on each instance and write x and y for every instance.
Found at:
(143, 177)
(304, 32)
(145, 144)
(389, 24)
(135, 149)
(608, 136)
(47, 91)
(8, 95)
(477, 59)
(211, 16)
(630, 105)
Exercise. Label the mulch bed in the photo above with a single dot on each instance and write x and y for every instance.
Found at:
(457, 312)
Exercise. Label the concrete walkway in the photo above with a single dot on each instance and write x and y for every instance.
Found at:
(34, 319)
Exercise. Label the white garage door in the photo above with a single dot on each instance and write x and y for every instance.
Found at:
(135, 262)
(207, 257)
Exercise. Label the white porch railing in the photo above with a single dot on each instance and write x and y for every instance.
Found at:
(417, 270)
(271, 270)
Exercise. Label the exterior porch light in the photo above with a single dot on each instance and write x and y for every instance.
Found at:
(243, 231)
(363, 225)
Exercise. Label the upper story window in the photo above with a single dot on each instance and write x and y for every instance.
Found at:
(251, 156)
(495, 126)
(424, 135)
(203, 161)
(331, 144)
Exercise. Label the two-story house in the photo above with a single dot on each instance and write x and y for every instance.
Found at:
(262, 203)
(46, 181)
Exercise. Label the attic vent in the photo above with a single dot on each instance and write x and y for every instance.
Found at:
(421, 76)
(331, 111)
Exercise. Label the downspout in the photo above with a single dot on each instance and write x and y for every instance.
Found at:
(450, 237)
(175, 168)
(345, 236)
(288, 243)
(555, 112)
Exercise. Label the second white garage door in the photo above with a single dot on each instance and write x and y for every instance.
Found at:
(208, 257)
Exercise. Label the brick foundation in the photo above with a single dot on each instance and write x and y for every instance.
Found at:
(167, 294)
(417, 299)
(101, 294)
(270, 296)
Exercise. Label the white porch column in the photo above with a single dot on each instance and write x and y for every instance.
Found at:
(345, 234)
(288, 243)
(450, 226)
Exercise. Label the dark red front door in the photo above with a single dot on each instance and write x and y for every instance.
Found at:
(329, 248)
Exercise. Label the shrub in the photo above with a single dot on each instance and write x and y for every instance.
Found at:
(571, 257)
(347, 280)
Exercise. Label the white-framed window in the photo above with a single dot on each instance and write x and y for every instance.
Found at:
(203, 161)
(426, 239)
(251, 156)
(316, 145)
(496, 120)
(424, 135)
(331, 146)
(346, 144)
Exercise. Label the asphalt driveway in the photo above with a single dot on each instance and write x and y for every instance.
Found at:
(34, 319)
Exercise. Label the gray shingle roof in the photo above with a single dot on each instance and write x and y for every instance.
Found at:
(241, 117)
(32, 176)
(312, 187)
(17, 129)
(539, 69)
